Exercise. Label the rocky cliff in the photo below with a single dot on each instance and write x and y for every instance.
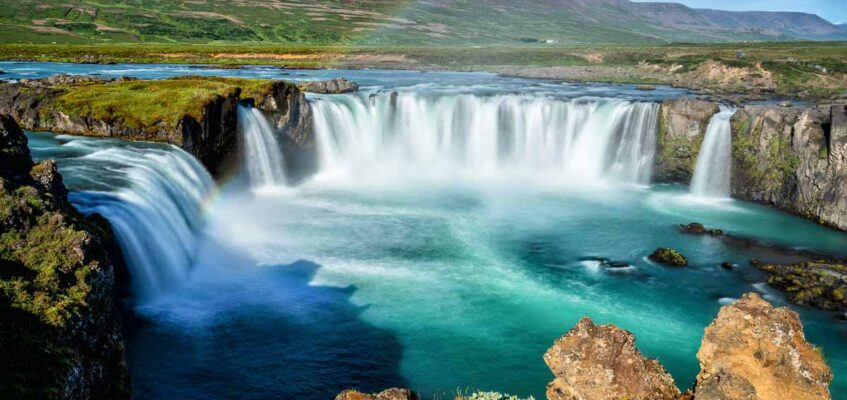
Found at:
(195, 113)
(60, 334)
(682, 126)
(794, 159)
(751, 351)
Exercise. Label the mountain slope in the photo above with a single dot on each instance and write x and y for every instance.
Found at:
(394, 22)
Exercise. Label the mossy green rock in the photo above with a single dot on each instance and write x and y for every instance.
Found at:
(669, 256)
(60, 335)
(682, 126)
(193, 112)
(821, 284)
(794, 159)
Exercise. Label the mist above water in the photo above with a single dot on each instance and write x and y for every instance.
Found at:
(712, 172)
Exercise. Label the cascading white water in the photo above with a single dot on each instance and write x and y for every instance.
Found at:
(714, 163)
(582, 139)
(156, 219)
(262, 154)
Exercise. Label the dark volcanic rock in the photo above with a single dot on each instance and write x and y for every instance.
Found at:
(682, 125)
(696, 228)
(601, 362)
(821, 284)
(794, 159)
(669, 256)
(333, 86)
(60, 335)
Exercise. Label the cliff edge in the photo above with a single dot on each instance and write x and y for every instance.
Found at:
(60, 334)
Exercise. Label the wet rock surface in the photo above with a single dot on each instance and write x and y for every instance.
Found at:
(682, 126)
(821, 284)
(794, 159)
(696, 228)
(669, 256)
(211, 137)
(332, 86)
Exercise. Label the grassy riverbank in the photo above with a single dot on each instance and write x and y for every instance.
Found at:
(141, 104)
(812, 69)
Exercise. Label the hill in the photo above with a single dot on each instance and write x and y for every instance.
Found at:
(395, 22)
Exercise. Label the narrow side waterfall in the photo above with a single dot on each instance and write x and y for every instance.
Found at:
(262, 154)
(580, 140)
(157, 217)
(714, 163)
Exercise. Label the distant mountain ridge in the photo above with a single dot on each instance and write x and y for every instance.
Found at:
(397, 22)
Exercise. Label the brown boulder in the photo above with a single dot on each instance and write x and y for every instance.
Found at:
(755, 351)
(598, 362)
(387, 394)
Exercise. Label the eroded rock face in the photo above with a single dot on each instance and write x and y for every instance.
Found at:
(332, 86)
(757, 352)
(682, 126)
(290, 113)
(213, 138)
(794, 159)
(594, 362)
(60, 335)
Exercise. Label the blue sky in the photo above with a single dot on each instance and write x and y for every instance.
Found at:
(832, 10)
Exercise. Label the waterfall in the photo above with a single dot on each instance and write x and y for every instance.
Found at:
(712, 172)
(581, 139)
(157, 218)
(262, 153)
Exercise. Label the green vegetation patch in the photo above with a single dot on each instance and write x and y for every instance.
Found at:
(153, 105)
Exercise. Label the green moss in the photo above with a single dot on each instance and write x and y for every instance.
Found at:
(669, 256)
(153, 105)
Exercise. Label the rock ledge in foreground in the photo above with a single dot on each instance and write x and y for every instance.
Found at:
(594, 362)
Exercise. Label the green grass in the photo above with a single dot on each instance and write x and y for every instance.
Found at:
(153, 105)
(360, 22)
(795, 66)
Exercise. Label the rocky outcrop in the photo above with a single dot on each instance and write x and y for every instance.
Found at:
(820, 283)
(60, 335)
(286, 106)
(598, 362)
(668, 256)
(794, 159)
(757, 352)
(210, 134)
(682, 126)
(332, 86)
(751, 351)
(388, 394)
(696, 228)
